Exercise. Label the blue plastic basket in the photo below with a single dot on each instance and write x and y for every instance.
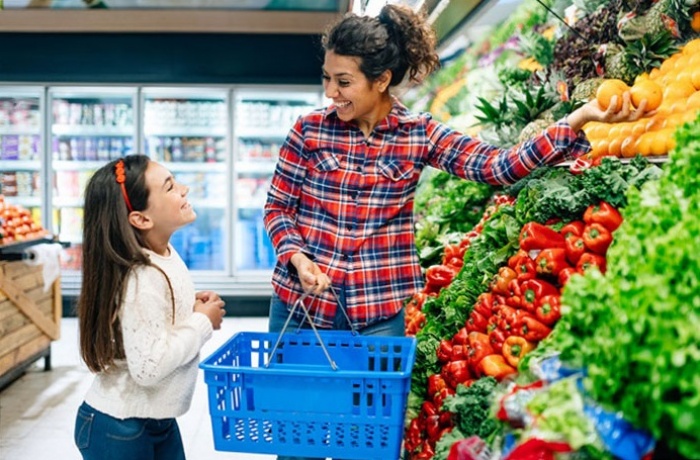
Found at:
(299, 406)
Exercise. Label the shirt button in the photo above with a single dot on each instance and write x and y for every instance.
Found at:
(353, 195)
(358, 169)
(349, 227)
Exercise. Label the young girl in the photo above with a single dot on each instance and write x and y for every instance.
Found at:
(141, 322)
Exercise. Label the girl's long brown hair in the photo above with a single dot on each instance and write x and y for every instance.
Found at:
(111, 248)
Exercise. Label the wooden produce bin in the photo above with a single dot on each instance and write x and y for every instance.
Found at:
(29, 318)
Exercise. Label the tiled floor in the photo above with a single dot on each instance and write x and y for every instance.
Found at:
(37, 412)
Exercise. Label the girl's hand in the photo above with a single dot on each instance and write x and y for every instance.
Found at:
(313, 279)
(592, 111)
(212, 306)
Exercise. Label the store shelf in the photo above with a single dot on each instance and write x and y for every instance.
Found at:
(63, 165)
(262, 133)
(182, 166)
(26, 201)
(89, 130)
(186, 131)
(67, 202)
(19, 131)
(20, 165)
(255, 167)
(207, 203)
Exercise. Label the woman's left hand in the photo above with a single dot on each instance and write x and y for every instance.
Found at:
(592, 111)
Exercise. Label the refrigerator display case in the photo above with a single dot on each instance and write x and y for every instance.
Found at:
(88, 127)
(186, 130)
(21, 148)
(221, 141)
(262, 120)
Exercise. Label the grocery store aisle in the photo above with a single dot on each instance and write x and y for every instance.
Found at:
(37, 411)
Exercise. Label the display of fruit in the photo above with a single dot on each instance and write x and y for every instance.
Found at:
(609, 89)
(672, 92)
(639, 56)
(16, 224)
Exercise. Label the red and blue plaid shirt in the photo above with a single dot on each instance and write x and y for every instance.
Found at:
(347, 201)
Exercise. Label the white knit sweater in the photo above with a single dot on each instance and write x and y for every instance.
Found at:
(157, 378)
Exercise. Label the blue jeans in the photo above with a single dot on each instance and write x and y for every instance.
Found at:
(392, 327)
(99, 436)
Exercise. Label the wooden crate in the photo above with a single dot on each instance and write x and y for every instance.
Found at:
(29, 317)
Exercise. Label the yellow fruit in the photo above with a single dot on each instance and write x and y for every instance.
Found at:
(628, 148)
(694, 24)
(641, 77)
(693, 102)
(607, 90)
(695, 77)
(615, 147)
(659, 142)
(654, 73)
(639, 127)
(678, 90)
(649, 91)
(669, 64)
(643, 144)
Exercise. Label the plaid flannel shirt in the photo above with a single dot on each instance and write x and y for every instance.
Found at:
(347, 201)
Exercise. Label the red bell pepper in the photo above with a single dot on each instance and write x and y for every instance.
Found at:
(533, 290)
(428, 408)
(496, 339)
(444, 351)
(496, 367)
(537, 236)
(484, 304)
(461, 337)
(432, 427)
(532, 329)
(597, 238)
(548, 309)
(573, 228)
(479, 346)
(515, 296)
(565, 274)
(515, 258)
(551, 261)
(499, 284)
(456, 372)
(575, 248)
(526, 269)
(589, 260)
(514, 348)
(603, 214)
(416, 301)
(453, 251)
(439, 397)
(459, 352)
(508, 318)
(436, 382)
(439, 275)
(476, 322)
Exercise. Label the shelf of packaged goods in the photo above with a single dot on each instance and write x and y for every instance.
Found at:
(19, 131)
(67, 202)
(205, 167)
(63, 165)
(261, 133)
(26, 201)
(255, 167)
(90, 130)
(185, 131)
(19, 165)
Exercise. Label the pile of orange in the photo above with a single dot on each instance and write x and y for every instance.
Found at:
(672, 92)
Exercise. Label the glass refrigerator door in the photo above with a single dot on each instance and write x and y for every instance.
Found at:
(186, 130)
(21, 147)
(89, 126)
(262, 120)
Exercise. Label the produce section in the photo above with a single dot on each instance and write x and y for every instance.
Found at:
(557, 322)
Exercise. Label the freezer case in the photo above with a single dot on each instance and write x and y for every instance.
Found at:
(88, 127)
(262, 119)
(21, 147)
(185, 129)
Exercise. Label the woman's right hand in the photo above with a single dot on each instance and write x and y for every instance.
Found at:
(313, 279)
(212, 306)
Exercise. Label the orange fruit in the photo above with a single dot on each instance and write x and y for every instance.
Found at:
(695, 23)
(654, 73)
(607, 90)
(643, 144)
(649, 90)
(628, 148)
(693, 102)
(639, 127)
(678, 90)
(659, 142)
(615, 147)
(695, 77)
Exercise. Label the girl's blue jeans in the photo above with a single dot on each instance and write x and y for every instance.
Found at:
(99, 436)
(391, 327)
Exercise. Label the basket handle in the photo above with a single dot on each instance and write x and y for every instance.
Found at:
(300, 303)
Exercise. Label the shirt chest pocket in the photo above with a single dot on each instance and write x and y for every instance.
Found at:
(323, 161)
(395, 170)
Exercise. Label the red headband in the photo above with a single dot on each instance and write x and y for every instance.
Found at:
(120, 174)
